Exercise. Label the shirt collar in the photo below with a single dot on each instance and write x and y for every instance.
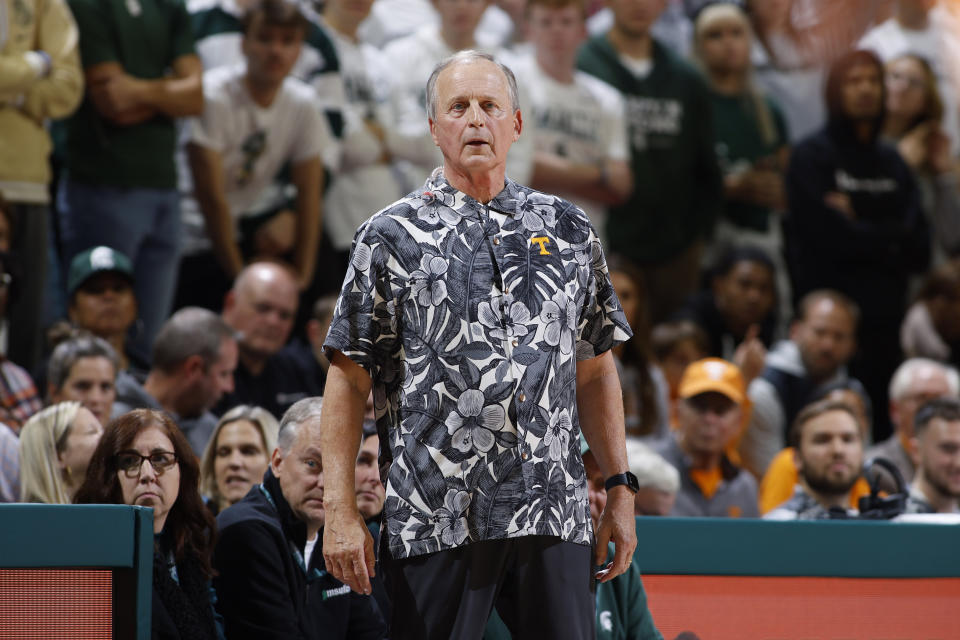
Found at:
(437, 187)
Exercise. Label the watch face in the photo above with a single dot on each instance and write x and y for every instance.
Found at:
(632, 482)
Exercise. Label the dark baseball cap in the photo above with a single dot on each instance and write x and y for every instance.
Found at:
(101, 259)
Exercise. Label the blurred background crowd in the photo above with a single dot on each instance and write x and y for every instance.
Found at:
(775, 183)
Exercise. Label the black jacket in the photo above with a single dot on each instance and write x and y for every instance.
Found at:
(263, 592)
(870, 257)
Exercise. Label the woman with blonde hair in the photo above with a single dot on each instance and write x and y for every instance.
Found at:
(237, 455)
(55, 448)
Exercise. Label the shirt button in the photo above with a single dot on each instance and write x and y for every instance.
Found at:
(521, 396)
(496, 239)
(525, 456)
(506, 290)
(515, 343)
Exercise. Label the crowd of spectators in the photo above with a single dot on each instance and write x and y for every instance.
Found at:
(775, 183)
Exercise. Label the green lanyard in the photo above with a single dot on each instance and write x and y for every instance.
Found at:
(312, 575)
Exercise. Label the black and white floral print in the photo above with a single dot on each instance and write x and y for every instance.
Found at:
(470, 318)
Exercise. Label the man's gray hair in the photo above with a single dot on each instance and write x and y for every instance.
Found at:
(651, 469)
(302, 411)
(191, 331)
(67, 353)
(903, 377)
(466, 57)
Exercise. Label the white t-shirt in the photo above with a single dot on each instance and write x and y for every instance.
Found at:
(583, 121)
(939, 43)
(308, 549)
(254, 143)
(414, 59)
(364, 185)
(222, 46)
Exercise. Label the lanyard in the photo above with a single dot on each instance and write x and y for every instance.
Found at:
(312, 575)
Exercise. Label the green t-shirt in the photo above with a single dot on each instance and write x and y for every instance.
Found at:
(740, 145)
(677, 187)
(145, 37)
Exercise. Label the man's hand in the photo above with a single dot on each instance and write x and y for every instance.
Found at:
(348, 550)
(617, 524)
(117, 95)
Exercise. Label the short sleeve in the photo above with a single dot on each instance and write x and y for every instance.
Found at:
(209, 129)
(364, 325)
(181, 31)
(602, 324)
(97, 44)
(314, 136)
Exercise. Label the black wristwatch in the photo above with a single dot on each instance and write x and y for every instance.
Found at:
(626, 478)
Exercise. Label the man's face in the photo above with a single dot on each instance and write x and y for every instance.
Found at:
(459, 18)
(650, 501)
(862, 92)
(830, 455)
(217, 379)
(825, 338)
(635, 17)
(91, 382)
(725, 46)
(300, 472)
(262, 309)
(370, 491)
(475, 121)
(271, 51)
(745, 295)
(708, 421)
(596, 487)
(939, 454)
(928, 383)
(556, 33)
(104, 305)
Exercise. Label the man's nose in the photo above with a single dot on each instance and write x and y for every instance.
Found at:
(476, 113)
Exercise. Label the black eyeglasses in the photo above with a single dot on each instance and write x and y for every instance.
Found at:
(130, 462)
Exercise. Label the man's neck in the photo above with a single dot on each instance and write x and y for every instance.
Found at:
(482, 187)
(912, 17)
(863, 130)
(638, 47)
(161, 389)
(825, 500)
(938, 501)
(118, 342)
(728, 84)
(700, 460)
(262, 94)
(253, 362)
(340, 23)
(560, 70)
(458, 42)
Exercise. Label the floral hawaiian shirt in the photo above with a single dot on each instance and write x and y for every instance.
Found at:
(470, 319)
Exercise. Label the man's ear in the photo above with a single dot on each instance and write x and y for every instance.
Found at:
(433, 131)
(276, 461)
(193, 365)
(517, 125)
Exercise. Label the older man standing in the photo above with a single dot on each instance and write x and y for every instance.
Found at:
(483, 313)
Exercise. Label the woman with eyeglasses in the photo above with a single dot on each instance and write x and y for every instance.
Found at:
(913, 122)
(143, 459)
(55, 449)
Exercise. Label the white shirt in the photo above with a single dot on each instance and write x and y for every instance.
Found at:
(254, 143)
(583, 121)
(364, 184)
(939, 43)
(308, 549)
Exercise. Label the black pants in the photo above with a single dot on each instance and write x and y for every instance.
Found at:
(542, 588)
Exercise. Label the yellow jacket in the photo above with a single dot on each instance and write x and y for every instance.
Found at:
(29, 96)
